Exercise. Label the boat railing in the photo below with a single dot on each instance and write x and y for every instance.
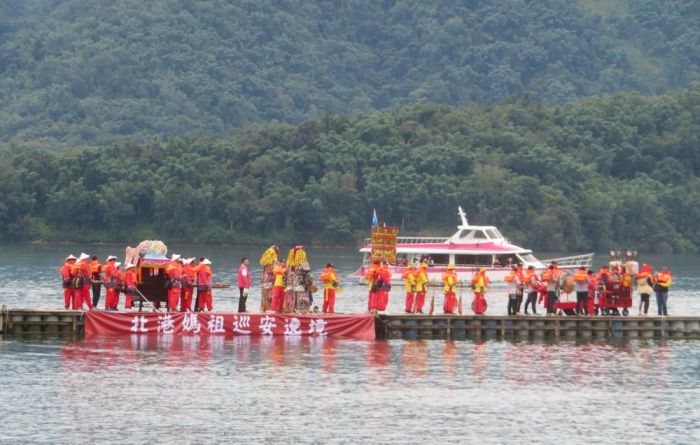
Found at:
(585, 260)
(415, 240)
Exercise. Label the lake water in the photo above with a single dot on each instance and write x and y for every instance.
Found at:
(153, 389)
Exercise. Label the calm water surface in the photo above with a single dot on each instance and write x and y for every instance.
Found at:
(313, 390)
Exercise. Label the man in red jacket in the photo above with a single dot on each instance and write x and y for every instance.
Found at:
(67, 278)
(244, 282)
(174, 271)
(204, 285)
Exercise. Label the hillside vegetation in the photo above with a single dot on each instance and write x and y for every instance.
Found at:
(94, 72)
(619, 171)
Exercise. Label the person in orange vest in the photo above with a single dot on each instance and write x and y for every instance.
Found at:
(421, 287)
(204, 286)
(111, 280)
(130, 285)
(372, 275)
(382, 286)
(592, 286)
(645, 287)
(663, 282)
(581, 286)
(520, 290)
(95, 280)
(450, 280)
(82, 291)
(513, 282)
(330, 284)
(174, 272)
(410, 278)
(278, 287)
(67, 278)
(548, 277)
(189, 276)
(533, 285)
(604, 279)
(479, 283)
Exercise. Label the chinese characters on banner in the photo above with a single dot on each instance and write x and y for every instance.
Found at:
(384, 244)
(359, 326)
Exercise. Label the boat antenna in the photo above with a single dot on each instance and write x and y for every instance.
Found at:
(463, 216)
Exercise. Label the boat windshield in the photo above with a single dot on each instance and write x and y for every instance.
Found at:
(493, 234)
(528, 258)
(473, 235)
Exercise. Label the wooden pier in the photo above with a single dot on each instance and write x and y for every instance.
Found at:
(419, 327)
(31, 321)
(415, 327)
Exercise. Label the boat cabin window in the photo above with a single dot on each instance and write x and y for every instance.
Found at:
(505, 260)
(528, 258)
(493, 234)
(473, 260)
(473, 235)
(437, 258)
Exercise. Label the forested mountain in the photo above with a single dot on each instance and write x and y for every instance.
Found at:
(619, 171)
(76, 72)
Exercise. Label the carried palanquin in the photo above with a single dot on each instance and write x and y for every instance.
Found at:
(384, 244)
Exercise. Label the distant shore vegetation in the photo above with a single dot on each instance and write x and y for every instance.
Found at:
(604, 172)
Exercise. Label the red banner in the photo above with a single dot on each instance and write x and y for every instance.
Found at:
(179, 323)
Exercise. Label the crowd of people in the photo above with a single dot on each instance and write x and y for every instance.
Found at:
(288, 286)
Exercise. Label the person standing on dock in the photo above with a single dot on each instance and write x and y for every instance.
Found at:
(581, 285)
(383, 290)
(549, 277)
(244, 282)
(410, 278)
(278, 287)
(67, 279)
(645, 283)
(130, 285)
(533, 284)
(421, 287)
(174, 271)
(111, 279)
(450, 280)
(82, 294)
(479, 283)
(189, 276)
(204, 286)
(95, 280)
(520, 290)
(371, 276)
(663, 282)
(330, 283)
(513, 282)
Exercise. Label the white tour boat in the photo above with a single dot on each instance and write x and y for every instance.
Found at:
(469, 249)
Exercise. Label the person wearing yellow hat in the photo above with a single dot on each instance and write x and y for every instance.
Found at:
(410, 278)
(421, 288)
(450, 280)
(479, 283)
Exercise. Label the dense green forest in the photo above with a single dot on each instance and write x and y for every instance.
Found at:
(616, 171)
(96, 72)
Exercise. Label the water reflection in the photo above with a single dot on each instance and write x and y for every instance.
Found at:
(385, 391)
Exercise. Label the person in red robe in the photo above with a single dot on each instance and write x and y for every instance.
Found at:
(111, 279)
(130, 285)
(67, 278)
(204, 285)
(174, 272)
(189, 277)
